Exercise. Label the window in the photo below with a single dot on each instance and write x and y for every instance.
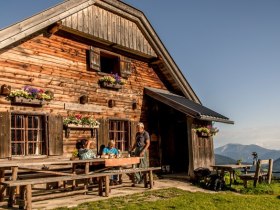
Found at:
(109, 63)
(28, 135)
(119, 131)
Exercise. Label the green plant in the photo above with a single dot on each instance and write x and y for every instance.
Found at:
(239, 161)
(78, 119)
(31, 93)
(75, 153)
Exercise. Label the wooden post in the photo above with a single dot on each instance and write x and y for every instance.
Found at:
(74, 172)
(2, 188)
(28, 197)
(100, 186)
(87, 168)
(25, 197)
(145, 174)
(151, 179)
(107, 187)
(12, 189)
(269, 175)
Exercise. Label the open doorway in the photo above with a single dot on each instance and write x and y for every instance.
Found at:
(170, 128)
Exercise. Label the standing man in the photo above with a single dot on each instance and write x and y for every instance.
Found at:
(141, 145)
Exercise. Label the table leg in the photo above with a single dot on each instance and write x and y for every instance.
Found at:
(12, 189)
(26, 197)
(230, 177)
(87, 168)
(74, 166)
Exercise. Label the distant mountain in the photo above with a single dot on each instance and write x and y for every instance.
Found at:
(221, 160)
(244, 152)
(276, 166)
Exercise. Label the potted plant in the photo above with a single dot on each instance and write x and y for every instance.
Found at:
(30, 95)
(113, 81)
(238, 162)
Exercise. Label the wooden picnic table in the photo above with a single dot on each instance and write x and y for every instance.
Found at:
(221, 169)
(15, 165)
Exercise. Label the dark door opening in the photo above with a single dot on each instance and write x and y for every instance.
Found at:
(170, 127)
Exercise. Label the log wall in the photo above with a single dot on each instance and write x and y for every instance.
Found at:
(59, 64)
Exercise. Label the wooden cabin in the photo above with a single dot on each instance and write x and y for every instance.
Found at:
(66, 51)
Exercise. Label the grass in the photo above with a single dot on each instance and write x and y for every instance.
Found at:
(173, 198)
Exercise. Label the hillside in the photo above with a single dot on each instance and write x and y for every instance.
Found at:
(244, 152)
(221, 160)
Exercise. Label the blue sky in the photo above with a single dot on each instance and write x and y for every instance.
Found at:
(229, 51)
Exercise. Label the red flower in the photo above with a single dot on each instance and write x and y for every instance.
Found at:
(78, 116)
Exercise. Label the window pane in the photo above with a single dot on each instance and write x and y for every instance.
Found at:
(17, 149)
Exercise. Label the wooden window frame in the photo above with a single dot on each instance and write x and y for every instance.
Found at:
(94, 55)
(26, 129)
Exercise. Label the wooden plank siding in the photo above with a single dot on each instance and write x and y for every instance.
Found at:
(202, 152)
(108, 26)
(59, 64)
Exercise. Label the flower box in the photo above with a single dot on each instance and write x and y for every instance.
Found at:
(70, 127)
(21, 100)
(110, 85)
(80, 126)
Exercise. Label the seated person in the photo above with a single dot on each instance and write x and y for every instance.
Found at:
(111, 151)
(84, 151)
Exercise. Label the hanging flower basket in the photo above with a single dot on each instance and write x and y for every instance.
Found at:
(206, 132)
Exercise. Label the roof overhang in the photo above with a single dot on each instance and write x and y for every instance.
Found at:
(186, 106)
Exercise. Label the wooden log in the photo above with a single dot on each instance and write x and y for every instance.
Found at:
(107, 187)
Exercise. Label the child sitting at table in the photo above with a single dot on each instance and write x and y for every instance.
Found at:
(112, 152)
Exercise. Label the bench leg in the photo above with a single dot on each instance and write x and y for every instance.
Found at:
(86, 182)
(100, 186)
(26, 197)
(2, 178)
(11, 200)
(245, 183)
(151, 179)
(107, 186)
(145, 176)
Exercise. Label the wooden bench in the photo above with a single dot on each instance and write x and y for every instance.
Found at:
(25, 194)
(259, 174)
(147, 174)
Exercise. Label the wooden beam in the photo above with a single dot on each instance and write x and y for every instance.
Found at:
(54, 28)
(44, 171)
